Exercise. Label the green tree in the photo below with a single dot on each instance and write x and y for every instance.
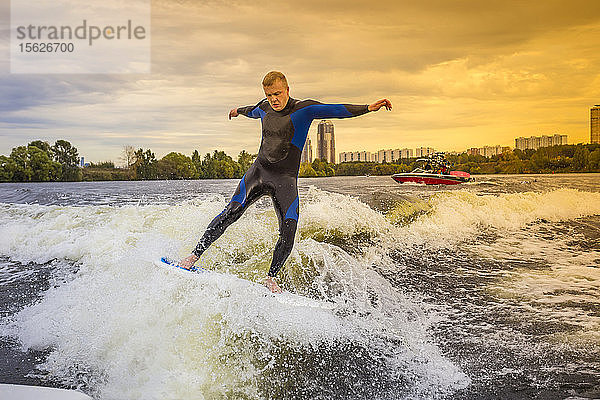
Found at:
(7, 169)
(220, 165)
(387, 169)
(594, 160)
(33, 164)
(145, 164)
(463, 158)
(514, 167)
(540, 160)
(323, 168)
(245, 159)
(197, 161)
(67, 155)
(520, 154)
(23, 171)
(44, 169)
(581, 158)
(306, 171)
(175, 166)
(44, 146)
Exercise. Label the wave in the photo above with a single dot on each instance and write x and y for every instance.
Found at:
(126, 329)
(454, 217)
(123, 328)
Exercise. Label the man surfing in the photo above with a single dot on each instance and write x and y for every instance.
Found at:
(285, 123)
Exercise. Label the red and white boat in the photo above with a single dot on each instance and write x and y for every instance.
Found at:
(429, 178)
(436, 172)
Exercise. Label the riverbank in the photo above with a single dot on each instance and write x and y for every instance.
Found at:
(19, 167)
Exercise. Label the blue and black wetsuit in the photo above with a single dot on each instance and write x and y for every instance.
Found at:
(275, 170)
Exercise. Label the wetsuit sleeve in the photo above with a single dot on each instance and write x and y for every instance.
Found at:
(321, 111)
(251, 111)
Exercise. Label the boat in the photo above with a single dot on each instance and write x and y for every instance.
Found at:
(435, 171)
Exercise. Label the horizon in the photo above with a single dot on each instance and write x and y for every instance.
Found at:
(119, 163)
(459, 76)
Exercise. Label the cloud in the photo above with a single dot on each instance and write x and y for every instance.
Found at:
(459, 74)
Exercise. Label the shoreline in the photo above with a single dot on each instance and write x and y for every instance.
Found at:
(303, 177)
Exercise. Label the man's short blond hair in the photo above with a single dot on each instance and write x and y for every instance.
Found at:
(273, 76)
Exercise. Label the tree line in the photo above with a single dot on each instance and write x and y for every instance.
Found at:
(142, 164)
(41, 162)
(545, 160)
(555, 159)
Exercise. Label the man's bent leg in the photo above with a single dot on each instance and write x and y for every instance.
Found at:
(247, 192)
(216, 228)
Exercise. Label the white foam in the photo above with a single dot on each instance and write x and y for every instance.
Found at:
(130, 330)
(460, 216)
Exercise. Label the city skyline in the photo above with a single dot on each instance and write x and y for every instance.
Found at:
(385, 155)
(458, 75)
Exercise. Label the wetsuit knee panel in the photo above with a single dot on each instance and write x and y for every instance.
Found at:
(293, 209)
(234, 208)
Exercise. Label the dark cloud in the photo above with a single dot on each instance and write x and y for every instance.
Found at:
(380, 36)
(463, 60)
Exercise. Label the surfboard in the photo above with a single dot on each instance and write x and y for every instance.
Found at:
(285, 297)
(172, 263)
(24, 392)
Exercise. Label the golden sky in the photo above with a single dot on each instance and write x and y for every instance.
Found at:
(459, 74)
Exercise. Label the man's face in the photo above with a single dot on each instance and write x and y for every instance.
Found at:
(277, 94)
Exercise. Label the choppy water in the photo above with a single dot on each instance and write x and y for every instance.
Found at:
(489, 290)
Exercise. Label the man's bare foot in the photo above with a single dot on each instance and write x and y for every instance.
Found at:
(270, 283)
(188, 262)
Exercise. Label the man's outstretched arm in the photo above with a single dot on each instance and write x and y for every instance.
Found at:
(248, 111)
(320, 111)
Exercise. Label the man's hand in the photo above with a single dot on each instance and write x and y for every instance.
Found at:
(233, 113)
(270, 283)
(381, 103)
(188, 262)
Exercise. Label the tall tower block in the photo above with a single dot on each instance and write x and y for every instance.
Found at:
(325, 141)
(595, 124)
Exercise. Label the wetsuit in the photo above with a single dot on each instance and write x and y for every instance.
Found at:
(275, 170)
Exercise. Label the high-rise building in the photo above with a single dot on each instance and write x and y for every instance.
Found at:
(380, 156)
(325, 141)
(424, 151)
(406, 154)
(363, 156)
(384, 156)
(535, 142)
(307, 154)
(360, 156)
(595, 124)
(489, 151)
(520, 143)
(82, 162)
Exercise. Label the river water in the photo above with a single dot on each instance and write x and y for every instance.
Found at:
(486, 290)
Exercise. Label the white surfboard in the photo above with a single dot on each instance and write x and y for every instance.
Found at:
(285, 297)
(24, 392)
